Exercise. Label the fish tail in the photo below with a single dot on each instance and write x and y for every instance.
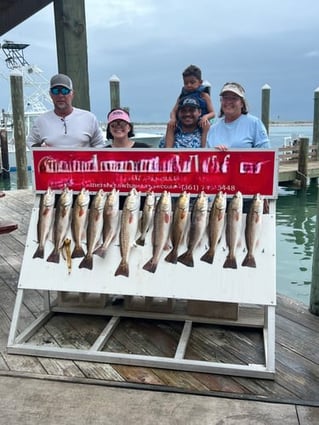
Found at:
(172, 257)
(78, 252)
(208, 257)
(186, 259)
(123, 269)
(230, 263)
(54, 257)
(150, 266)
(249, 261)
(140, 241)
(100, 251)
(39, 253)
(87, 262)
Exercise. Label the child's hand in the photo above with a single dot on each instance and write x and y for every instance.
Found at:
(203, 122)
(172, 124)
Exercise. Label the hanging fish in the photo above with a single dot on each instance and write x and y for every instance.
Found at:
(94, 228)
(180, 219)
(253, 229)
(111, 216)
(128, 230)
(147, 217)
(197, 229)
(161, 229)
(45, 220)
(61, 223)
(216, 223)
(233, 229)
(79, 221)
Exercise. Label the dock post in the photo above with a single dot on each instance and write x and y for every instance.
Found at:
(315, 131)
(16, 85)
(314, 290)
(303, 161)
(265, 106)
(4, 154)
(115, 92)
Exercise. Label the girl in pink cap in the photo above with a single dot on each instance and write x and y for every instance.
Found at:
(120, 130)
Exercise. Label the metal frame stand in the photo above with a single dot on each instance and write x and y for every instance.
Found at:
(18, 344)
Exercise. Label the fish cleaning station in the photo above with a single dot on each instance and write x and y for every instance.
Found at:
(192, 242)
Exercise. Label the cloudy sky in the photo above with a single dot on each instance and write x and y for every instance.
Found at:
(148, 43)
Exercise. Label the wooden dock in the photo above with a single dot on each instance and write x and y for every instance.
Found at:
(298, 163)
(297, 343)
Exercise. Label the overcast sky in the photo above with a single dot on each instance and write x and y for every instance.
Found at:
(148, 43)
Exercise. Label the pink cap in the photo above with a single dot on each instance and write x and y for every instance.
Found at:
(118, 114)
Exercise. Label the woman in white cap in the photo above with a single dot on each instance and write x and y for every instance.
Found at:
(236, 128)
(120, 130)
(65, 126)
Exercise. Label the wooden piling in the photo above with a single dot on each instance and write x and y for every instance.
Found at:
(265, 106)
(314, 291)
(16, 85)
(303, 161)
(115, 92)
(4, 154)
(315, 131)
(71, 47)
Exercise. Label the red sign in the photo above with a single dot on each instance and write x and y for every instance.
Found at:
(193, 170)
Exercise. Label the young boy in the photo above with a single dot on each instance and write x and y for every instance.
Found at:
(193, 86)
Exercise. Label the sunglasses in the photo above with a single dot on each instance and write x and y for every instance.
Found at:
(60, 90)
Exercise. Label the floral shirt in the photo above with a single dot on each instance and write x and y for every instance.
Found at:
(185, 139)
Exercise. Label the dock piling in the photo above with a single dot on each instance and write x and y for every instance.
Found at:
(265, 106)
(314, 291)
(115, 92)
(16, 84)
(315, 133)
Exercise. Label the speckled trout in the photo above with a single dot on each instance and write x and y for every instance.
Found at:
(147, 217)
(79, 221)
(128, 230)
(45, 220)
(216, 223)
(180, 220)
(161, 229)
(111, 218)
(61, 223)
(253, 229)
(233, 229)
(197, 229)
(94, 228)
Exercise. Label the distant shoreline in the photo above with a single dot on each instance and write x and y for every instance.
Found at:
(291, 123)
(273, 123)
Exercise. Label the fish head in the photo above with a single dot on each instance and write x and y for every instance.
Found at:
(165, 201)
(258, 203)
(83, 198)
(150, 199)
(220, 200)
(49, 197)
(66, 197)
(201, 201)
(113, 198)
(133, 199)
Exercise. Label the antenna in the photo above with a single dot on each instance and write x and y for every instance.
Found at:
(14, 53)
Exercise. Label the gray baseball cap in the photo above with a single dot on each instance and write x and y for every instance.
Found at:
(61, 80)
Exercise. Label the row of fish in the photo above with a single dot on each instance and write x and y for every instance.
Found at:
(101, 219)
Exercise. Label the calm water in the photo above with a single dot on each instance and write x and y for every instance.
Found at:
(295, 219)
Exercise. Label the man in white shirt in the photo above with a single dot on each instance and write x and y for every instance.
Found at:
(65, 126)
